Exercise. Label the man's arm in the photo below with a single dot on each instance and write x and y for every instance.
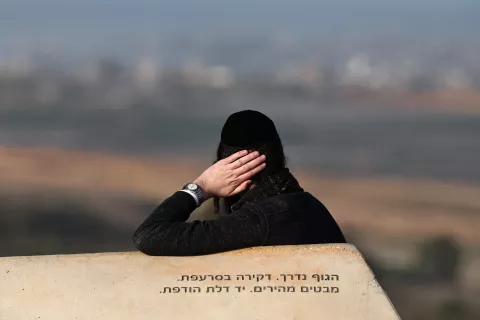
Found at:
(165, 232)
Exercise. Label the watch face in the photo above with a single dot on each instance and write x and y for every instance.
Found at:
(192, 186)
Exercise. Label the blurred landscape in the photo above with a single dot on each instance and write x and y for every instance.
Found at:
(108, 108)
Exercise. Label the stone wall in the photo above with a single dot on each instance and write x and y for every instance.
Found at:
(285, 282)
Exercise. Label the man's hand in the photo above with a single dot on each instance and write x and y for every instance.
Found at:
(231, 175)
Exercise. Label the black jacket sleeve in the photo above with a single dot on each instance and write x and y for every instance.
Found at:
(165, 232)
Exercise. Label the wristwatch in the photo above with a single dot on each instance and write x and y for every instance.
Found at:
(195, 189)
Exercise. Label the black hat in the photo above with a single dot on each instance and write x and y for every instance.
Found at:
(248, 128)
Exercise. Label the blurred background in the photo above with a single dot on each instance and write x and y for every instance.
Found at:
(109, 107)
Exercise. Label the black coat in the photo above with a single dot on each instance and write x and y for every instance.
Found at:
(276, 212)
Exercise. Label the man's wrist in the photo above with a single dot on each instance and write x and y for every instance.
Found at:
(206, 195)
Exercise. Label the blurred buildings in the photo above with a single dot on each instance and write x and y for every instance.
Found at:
(228, 62)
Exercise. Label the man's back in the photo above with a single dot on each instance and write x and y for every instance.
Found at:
(295, 218)
(277, 211)
(285, 219)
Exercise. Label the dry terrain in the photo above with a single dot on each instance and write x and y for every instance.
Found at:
(384, 206)
(458, 101)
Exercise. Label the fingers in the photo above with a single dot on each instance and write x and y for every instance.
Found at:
(244, 160)
(250, 165)
(235, 156)
(252, 172)
(241, 187)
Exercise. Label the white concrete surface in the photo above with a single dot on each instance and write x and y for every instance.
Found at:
(131, 285)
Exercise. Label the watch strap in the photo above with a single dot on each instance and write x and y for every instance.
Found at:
(194, 196)
(197, 193)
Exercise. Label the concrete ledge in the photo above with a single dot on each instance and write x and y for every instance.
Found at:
(287, 282)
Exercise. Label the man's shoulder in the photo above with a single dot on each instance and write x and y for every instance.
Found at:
(289, 201)
(295, 196)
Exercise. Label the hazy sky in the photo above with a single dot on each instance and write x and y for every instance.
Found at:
(93, 23)
(17, 15)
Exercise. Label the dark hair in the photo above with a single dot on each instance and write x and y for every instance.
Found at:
(272, 149)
